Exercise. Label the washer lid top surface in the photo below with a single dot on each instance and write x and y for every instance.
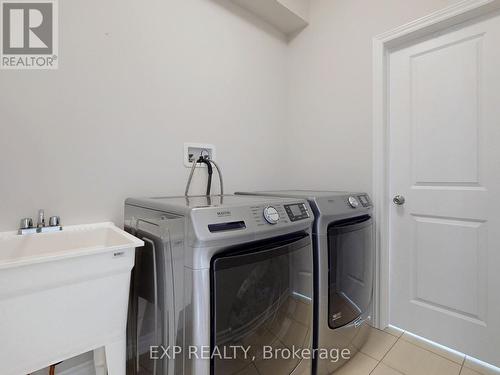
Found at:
(306, 194)
(185, 204)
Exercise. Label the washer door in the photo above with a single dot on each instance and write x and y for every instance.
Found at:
(350, 274)
(261, 300)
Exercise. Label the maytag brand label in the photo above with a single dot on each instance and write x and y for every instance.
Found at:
(29, 34)
(223, 213)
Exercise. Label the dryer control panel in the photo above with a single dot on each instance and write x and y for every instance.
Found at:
(296, 211)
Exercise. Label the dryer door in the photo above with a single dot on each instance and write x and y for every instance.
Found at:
(350, 273)
(261, 299)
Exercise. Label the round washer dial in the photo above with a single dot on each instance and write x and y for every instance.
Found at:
(353, 202)
(271, 215)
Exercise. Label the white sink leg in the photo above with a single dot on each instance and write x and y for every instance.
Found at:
(100, 361)
(116, 357)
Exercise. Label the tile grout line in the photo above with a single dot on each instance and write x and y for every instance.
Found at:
(393, 335)
(462, 364)
(392, 346)
(439, 355)
(392, 368)
(399, 338)
(360, 350)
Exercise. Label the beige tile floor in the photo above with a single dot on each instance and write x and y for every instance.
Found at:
(394, 352)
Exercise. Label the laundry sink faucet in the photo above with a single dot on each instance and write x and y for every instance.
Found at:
(27, 226)
(41, 218)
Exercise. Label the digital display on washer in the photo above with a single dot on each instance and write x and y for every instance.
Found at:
(296, 211)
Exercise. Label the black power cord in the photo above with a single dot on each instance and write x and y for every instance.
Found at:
(207, 162)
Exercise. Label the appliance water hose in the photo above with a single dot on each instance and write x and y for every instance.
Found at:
(208, 162)
(193, 166)
(221, 181)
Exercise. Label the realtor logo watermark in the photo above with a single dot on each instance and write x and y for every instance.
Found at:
(243, 352)
(29, 34)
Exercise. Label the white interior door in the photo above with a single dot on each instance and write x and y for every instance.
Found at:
(444, 121)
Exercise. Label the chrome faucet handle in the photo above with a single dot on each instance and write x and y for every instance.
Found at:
(26, 223)
(54, 221)
(41, 218)
(26, 226)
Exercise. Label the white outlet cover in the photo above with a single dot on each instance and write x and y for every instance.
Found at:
(200, 146)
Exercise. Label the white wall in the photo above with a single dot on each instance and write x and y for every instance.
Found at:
(136, 80)
(330, 89)
(300, 7)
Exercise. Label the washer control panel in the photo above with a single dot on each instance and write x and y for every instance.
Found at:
(280, 214)
(364, 200)
(271, 215)
(296, 211)
(358, 201)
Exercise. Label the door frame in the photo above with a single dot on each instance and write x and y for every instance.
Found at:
(383, 45)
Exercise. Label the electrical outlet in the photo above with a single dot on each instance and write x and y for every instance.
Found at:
(192, 151)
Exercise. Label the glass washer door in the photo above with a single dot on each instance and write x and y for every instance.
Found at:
(351, 267)
(261, 297)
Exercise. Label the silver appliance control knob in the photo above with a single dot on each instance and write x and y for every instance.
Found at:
(271, 215)
(353, 202)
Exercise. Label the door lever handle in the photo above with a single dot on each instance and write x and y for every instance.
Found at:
(399, 200)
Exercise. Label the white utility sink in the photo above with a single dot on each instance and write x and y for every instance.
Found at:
(62, 294)
(73, 241)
